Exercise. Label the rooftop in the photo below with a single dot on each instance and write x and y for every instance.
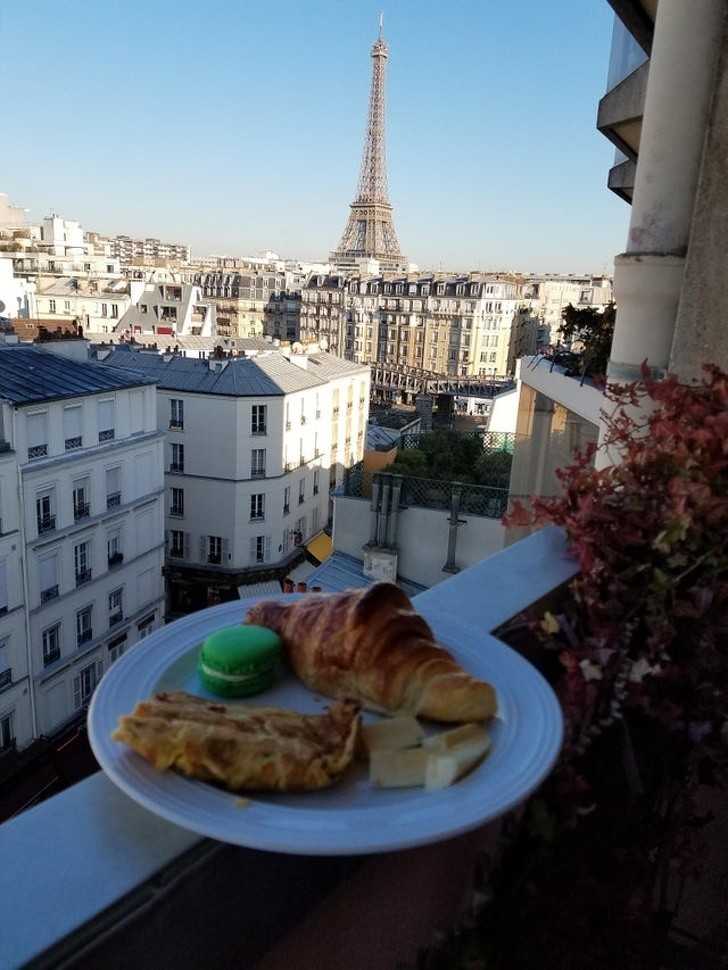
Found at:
(29, 374)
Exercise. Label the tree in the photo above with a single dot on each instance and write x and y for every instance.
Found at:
(589, 332)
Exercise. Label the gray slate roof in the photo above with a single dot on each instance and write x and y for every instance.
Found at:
(340, 572)
(29, 374)
(267, 374)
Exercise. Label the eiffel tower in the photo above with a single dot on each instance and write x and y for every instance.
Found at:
(370, 233)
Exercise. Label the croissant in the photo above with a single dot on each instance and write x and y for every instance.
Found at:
(370, 646)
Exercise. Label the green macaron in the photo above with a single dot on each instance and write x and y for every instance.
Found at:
(239, 660)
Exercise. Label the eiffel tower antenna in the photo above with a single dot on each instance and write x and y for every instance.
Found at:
(369, 232)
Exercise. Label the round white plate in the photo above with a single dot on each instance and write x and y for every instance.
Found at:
(351, 817)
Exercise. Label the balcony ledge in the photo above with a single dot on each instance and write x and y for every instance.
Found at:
(106, 873)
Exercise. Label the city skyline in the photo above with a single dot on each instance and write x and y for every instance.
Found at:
(240, 129)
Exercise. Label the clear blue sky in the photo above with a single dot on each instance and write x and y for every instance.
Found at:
(238, 126)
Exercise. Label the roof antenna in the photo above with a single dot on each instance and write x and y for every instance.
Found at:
(381, 24)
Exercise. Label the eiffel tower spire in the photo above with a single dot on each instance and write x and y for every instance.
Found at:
(370, 233)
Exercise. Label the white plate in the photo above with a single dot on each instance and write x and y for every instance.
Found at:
(350, 817)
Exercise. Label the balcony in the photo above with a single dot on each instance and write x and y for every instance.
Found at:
(107, 435)
(113, 500)
(132, 850)
(72, 444)
(177, 512)
(176, 466)
(83, 577)
(115, 559)
(51, 593)
(81, 510)
(6, 678)
(116, 618)
(84, 636)
(37, 451)
(214, 558)
(176, 426)
(257, 472)
(46, 523)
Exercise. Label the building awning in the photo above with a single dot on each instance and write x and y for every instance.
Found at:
(320, 547)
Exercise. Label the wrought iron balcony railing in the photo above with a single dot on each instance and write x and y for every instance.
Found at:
(73, 443)
(81, 510)
(83, 577)
(49, 594)
(46, 523)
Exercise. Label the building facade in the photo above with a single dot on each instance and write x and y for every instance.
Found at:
(455, 325)
(253, 446)
(81, 543)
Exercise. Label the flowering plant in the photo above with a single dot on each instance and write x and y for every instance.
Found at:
(637, 651)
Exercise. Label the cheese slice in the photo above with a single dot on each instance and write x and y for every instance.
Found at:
(392, 733)
(405, 768)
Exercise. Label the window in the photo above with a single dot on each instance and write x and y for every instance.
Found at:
(178, 458)
(48, 578)
(51, 306)
(286, 499)
(45, 510)
(258, 419)
(81, 561)
(81, 505)
(85, 684)
(105, 418)
(257, 506)
(176, 414)
(3, 588)
(115, 310)
(6, 673)
(113, 487)
(116, 608)
(51, 639)
(178, 502)
(257, 463)
(288, 415)
(177, 544)
(259, 549)
(116, 647)
(104, 309)
(84, 632)
(145, 627)
(303, 410)
(214, 550)
(37, 435)
(301, 490)
(113, 547)
(7, 736)
(316, 481)
(72, 427)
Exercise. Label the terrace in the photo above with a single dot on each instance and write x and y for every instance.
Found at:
(119, 886)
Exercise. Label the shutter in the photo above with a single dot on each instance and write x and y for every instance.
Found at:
(105, 413)
(47, 573)
(72, 422)
(37, 430)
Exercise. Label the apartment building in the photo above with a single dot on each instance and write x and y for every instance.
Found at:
(169, 308)
(669, 285)
(459, 325)
(241, 298)
(139, 252)
(549, 296)
(81, 530)
(254, 443)
(95, 305)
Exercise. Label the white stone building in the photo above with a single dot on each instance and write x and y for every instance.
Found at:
(254, 444)
(169, 308)
(81, 533)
